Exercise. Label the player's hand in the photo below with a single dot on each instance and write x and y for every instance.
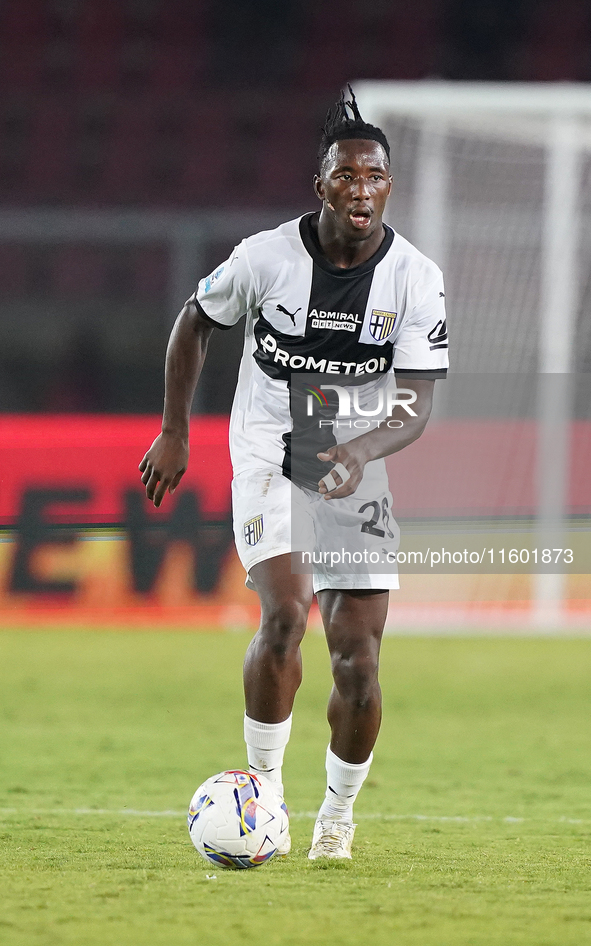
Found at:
(348, 458)
(163, 465)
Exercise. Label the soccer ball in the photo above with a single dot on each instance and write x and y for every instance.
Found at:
(237, 820)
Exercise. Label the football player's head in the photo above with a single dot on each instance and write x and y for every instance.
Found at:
(339, 125)
(354, 179)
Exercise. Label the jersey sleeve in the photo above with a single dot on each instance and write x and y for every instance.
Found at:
(421, 349)
(228, 292)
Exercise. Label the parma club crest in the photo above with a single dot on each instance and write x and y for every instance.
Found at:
(381, 324)
(253, 530)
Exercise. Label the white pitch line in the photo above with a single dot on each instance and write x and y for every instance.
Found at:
(133, 812)
(371, 816)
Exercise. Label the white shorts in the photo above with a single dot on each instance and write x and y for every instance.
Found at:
(338, 540)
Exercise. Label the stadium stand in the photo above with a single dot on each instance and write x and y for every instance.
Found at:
(108, 102)
(191, 105)
(557, 42)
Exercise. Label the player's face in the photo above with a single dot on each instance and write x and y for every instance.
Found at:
(354, 184)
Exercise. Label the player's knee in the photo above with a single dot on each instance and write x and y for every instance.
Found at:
(284, 625)
(356, 678)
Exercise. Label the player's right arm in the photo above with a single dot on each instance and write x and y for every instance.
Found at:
(165, 462)
(219, 301)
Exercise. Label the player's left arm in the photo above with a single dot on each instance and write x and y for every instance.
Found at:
(420, 356)
(381, 442)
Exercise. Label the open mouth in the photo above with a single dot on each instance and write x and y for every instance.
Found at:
(360, 218)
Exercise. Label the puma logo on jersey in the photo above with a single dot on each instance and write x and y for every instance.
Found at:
(438, 336)
(280, 308)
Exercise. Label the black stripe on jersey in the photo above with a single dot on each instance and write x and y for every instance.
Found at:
(335, 316)
(307, 437)
(334, 319)
(309, 235)
(427, 374)
(204, 315)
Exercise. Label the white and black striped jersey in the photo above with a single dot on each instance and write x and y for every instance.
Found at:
(305, 315)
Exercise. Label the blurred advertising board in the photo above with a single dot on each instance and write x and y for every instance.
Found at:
(81, 545)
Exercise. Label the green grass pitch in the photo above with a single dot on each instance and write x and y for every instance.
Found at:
(474, 827)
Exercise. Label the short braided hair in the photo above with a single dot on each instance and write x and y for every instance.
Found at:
(339, 126)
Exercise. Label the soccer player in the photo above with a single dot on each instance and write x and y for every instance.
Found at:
(340, 293)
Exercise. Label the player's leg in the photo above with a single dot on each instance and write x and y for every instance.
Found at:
(273, 663)
(354, 623)
(261, 501)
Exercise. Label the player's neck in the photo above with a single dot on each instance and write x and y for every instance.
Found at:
(341, 250)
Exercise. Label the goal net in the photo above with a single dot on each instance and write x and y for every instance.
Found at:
(492, 182)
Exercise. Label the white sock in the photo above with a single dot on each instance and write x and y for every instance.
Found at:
(265, 747)
(343, 783)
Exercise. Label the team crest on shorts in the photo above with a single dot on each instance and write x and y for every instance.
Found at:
(381, 324)
(253, 530)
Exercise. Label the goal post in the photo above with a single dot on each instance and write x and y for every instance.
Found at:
(491, 181)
